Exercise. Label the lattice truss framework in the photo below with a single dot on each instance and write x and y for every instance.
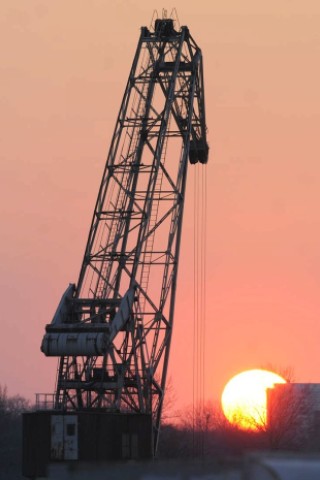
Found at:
(127, 283)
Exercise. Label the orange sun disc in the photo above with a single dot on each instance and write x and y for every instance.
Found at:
(244, 398)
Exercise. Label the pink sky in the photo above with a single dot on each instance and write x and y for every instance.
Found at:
(64, 66)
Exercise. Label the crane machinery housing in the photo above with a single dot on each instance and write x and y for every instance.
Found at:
(112, 330)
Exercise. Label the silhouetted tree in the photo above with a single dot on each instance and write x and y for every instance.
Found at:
(286, 372)
(11, 408)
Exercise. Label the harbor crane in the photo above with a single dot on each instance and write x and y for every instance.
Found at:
(112, 329)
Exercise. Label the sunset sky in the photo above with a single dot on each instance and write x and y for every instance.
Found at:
(64, 66)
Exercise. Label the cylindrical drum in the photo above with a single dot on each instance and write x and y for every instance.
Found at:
(65, 344)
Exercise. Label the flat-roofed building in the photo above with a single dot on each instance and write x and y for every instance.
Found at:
(293, 416)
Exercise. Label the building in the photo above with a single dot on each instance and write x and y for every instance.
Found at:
(293, 416)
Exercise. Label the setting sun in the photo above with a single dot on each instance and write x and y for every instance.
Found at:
(244, 398)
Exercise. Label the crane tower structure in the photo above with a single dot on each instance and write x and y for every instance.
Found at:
(112, 330)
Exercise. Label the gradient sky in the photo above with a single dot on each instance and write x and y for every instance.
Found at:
(64, 66)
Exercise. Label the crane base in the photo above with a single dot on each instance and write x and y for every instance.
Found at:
(55, 436)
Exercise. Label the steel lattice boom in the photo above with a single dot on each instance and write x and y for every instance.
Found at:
(112, 330)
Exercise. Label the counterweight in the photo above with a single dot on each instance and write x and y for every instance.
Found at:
(112, 330)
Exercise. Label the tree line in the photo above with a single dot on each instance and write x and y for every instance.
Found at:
(204, 431)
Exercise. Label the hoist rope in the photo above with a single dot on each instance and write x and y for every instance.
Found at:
(199, 309)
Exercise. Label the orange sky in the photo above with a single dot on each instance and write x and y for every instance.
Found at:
(64, 66)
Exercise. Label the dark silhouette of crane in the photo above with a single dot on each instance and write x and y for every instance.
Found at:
(112, 330)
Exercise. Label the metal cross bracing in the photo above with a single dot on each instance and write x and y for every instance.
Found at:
(112, 330)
